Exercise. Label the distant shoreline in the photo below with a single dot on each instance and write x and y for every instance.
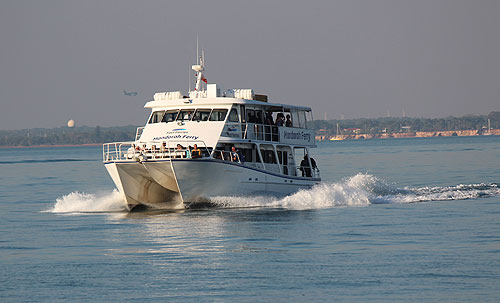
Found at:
(49, 145)
(432, 134)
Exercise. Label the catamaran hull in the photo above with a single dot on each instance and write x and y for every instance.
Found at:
(172, 184)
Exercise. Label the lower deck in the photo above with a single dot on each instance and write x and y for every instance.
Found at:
(171, 183)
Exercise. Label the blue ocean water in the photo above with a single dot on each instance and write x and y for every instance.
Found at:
(403, 220)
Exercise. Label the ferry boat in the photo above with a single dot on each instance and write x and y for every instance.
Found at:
(213, 143)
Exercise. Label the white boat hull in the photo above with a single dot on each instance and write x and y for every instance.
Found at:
(170, 184)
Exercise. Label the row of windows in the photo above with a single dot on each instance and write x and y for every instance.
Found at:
(200, 114)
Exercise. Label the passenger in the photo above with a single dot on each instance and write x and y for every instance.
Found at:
(236, 155)
(313, 163)
(251, 118)
(163, 147)
(258, 117)
(179, 150)
(280, 120)
(288, 122)
(196, 152)
(269, 118)
(154, 150)
(188, 152)
(305, 168)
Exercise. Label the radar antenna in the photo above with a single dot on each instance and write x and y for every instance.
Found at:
(199, 68)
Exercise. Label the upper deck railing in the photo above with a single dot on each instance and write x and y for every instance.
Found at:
(269, 133)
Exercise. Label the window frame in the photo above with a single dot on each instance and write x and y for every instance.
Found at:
(167, 111)
(209, 110)
(218, 110)
(154, 114)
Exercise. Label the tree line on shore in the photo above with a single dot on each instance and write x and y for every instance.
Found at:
(65, 135)
(407, 124)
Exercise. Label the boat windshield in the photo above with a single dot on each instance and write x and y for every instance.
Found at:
(218, 115)
(202, 114)
(170, 116)
(156, 117)
(185, 115)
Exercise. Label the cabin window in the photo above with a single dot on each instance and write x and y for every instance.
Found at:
(156, 117)
(295, 118)
(309, 120)
(251, 116)
(242, 111)
(218, 115)
(185, 115)
(233, 116)
(170, 115)
(259, 117)
(302, 119)
(247, 153)
(202, 114)
(268, 156)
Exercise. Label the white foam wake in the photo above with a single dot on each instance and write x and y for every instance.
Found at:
(77, 202)
(361, 190)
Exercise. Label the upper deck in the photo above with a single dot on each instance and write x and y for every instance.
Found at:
(230, 117)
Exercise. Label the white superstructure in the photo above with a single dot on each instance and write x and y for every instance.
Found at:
(162, 169)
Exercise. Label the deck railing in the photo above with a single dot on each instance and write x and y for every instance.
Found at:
(253, 131)
(134, 152)
(139, 151)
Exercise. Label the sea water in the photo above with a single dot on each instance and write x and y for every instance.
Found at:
(402, 220)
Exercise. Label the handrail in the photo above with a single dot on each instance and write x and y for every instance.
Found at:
(308, 172)
(139, 151)
(256, 131)
(131, 151)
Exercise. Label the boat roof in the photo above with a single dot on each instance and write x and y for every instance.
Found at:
(186, 102)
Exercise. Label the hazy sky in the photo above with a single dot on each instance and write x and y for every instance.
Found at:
(62, 60)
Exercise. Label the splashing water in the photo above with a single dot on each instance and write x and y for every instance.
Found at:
(359, 190)
(77, 202)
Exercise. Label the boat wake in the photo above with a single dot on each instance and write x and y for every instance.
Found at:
(359, 190)
(77, 202)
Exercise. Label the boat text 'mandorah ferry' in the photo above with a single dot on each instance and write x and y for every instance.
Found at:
(210, 144)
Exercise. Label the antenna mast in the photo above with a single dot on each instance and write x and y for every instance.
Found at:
(199, 68)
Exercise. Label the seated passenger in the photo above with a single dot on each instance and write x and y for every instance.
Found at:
(154, 150)
(179, 150)
(196, 152)
(288, 122)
